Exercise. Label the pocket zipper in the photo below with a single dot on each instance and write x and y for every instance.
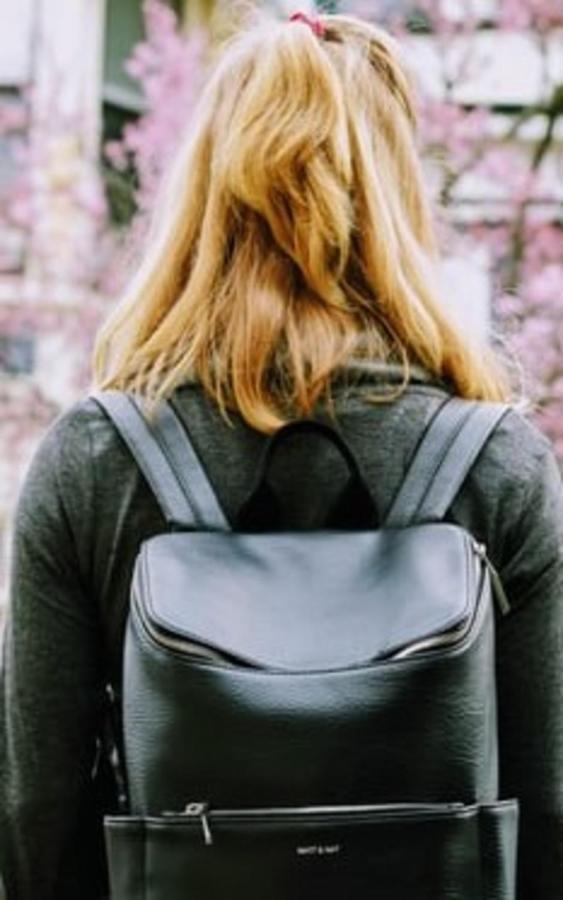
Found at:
(201, 811)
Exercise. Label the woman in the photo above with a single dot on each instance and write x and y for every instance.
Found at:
(292, 272)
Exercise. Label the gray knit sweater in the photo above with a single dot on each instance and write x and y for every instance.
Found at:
(82, 514)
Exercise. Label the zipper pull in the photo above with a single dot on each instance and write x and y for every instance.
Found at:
(480, 549)
(201, 810)
(498, 590)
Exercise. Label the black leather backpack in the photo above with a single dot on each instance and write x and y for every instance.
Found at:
(311, 714)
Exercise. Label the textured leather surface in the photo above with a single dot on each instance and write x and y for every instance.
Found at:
(171, 466)
(167, 459)
(418, 729)
(188, 469)
(148, 454)
(499, 846)
(296, 706)
(442, 461)
(310, 856)
(308, 601)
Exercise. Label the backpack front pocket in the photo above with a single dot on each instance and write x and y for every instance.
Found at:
(392, 852)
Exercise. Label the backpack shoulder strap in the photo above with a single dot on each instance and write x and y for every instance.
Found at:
(164, 453)
(448, 448)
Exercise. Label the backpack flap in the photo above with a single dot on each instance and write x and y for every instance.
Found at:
(306, 602)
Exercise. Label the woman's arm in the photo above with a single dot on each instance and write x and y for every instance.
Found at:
(530, 681)
(52, 682)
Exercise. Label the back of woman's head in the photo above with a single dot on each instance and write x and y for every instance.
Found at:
(294, 235)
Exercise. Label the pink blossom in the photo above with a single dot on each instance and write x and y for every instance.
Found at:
(508, 305)
(143, 59)
(19, 210)
(90, 196)
(116, 155)
(535, 14)
(545, 286)
(448, 126)
(523, 244)
(13, 117)
(169, 67)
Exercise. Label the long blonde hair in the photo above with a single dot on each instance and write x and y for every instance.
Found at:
(294, 236)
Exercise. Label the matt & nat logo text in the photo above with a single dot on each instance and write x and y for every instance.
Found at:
(319, 850)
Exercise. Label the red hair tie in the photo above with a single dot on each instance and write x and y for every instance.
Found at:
(315, 25)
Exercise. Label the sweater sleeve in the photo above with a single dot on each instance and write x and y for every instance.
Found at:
(530, 678)
(51, 684)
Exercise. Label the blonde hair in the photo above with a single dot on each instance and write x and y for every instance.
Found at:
(295, 235)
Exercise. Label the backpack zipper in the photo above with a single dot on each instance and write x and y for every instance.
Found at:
(496, 584)
(186, 647)
(201, 811)
(453, 635)
(438, 641)
(182, 645)
(447, 638)
(435, 642)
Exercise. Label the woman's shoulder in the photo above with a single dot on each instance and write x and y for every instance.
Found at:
(78, 441)
(517, 454)
(516, 449)
(515, 460)
(79, 432)
(514, 494)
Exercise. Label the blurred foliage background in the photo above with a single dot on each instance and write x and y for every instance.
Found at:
(94, 100)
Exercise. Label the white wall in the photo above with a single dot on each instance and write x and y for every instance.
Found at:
(16, 24)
